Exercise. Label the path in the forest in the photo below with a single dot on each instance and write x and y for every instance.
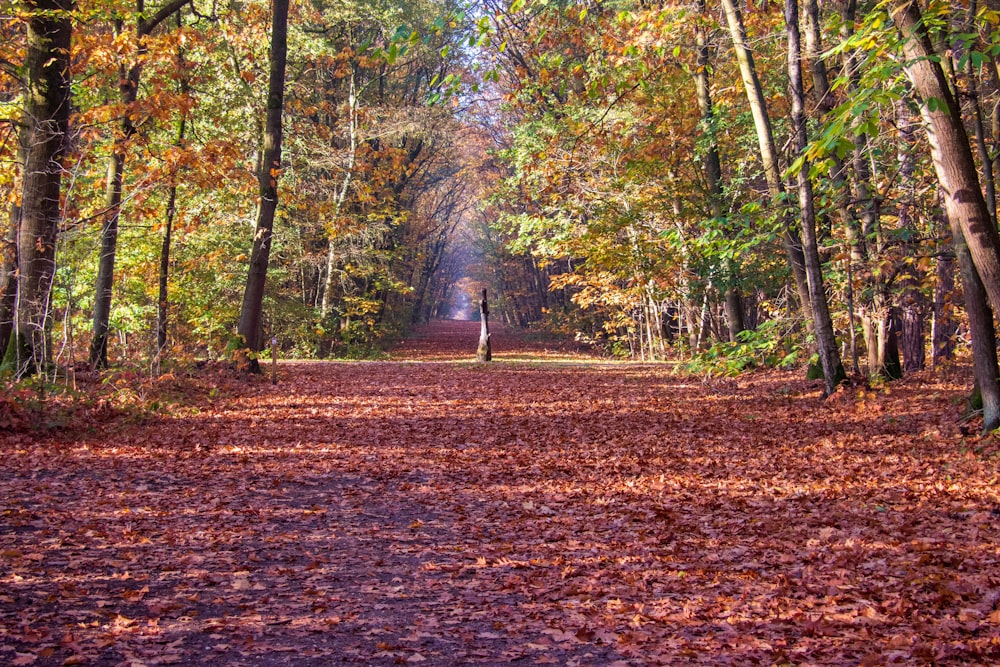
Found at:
(457, 340)
(530, 512)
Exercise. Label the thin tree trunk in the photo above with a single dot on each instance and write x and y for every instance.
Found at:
(944, 328)
(129, 91)
(862, 230)
(768, 150)
(824, 104)
(829, 356)
(163, 304)
(162, 310)
(8, 248)
(46, 115)
(8, 275)
(851, 321)
(713, 171)
(352, 133)
(253, 296)
(106, 263)
(976, 114)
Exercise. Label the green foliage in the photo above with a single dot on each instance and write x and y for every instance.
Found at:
(766, 346)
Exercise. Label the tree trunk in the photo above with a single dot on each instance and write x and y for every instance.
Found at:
(862, 230)
(129, 91)
(976, 113)
(768, 150)
(109, 245)
(889, 326)
(912, 337)
(485, 352)
(829, 356)
(713, 171)
(944, 328)
(950, 149)
(8, 275)
(46, 114)
(825, 103)
(253, 295)
(352, 134)
(8, 249)
(984, 351)
(163, 310)
(912, 301)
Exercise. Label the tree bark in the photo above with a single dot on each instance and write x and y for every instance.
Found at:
(984, 351)
(950, 149)
(8, 248)
(944, 328)
(768, 151)
(829, 356)
(8, 275)
(162, 303)
(485, 351)
(253, 295)
(974, 101)
(46, 115)
(912, 301)
(109, 246)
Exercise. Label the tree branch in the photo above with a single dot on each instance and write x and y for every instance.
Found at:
(165, 12)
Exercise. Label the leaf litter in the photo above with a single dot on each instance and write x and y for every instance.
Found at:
(575, 513)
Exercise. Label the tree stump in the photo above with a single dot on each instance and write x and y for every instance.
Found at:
(484, 353)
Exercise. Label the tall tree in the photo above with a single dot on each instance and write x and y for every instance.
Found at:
(267, 178)
(46, 115)
(974, 235)
(829, 357)
(768, 149)
(825, 102)
(162, 302)
(128, 88)
(950, 148)
(713, 171)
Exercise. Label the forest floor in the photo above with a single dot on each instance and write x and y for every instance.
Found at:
(548, 508)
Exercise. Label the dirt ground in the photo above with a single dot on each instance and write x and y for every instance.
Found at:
(547, 508)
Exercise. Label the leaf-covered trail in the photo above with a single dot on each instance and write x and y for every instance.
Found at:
(522, 512)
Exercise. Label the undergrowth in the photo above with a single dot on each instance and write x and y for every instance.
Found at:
(763, 347)
(89, 399)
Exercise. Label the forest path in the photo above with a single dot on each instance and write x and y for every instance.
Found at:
(457, 340)
(453, 513)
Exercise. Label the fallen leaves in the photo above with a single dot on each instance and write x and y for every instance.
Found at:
(545, 512)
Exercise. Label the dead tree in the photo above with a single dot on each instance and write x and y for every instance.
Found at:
(484, 353)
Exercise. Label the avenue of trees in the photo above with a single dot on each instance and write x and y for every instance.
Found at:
(744, 183)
